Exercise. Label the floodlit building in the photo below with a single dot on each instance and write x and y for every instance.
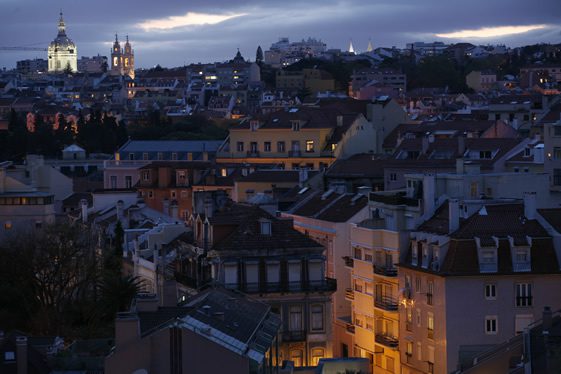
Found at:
(62, 51)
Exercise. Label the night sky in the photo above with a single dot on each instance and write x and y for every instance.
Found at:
(175, 32)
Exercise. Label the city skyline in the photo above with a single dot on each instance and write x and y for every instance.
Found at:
(177, 34)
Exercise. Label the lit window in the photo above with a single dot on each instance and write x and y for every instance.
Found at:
(317, 354)
(223, 172)
(8, 225)
(309, 145)
(430, 326)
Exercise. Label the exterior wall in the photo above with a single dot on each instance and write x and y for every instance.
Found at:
(359, 138)
(241, 195)
(374, 296)
(384, 119)
(120, 170)
(551, 161)
(59, 60)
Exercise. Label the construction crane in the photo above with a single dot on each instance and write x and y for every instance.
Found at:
(23, 49)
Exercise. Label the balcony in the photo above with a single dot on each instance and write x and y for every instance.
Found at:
(253, 153)
(387, 303)
(349, 294)
(294, 153)
(408, 326)
(294, 336)
(430, 333)
(387, 271)
(349, 261)
(386, 340)
(324, 285)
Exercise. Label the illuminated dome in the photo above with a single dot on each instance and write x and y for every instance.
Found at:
(62, 51)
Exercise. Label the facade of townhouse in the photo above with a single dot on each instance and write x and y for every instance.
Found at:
(491, 261)
(246, 249)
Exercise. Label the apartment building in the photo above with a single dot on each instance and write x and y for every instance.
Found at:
(326, 217)
(246, 249)
(492, 261)
(552, 151)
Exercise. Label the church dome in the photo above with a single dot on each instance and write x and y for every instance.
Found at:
(62, 41)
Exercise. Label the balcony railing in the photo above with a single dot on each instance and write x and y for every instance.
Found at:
(324, 285)
(350, 328)
(349, 294)
(430, 333)
(252, 153)
(349, 261)
(386, 302)
(385, 270)
(387, 340)
(294, 336)
(294, 153)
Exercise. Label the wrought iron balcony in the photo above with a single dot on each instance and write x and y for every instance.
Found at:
(386, 271)
(294, 336)
(349, 261)
(323, 285)
(253, 153)
(386, 303)
(387, 340)
(349, 294)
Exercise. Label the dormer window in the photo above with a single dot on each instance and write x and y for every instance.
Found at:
(487, 254)
(414, 250)
(520, 253)
(485, 155)
(295, 125)
(265, 227)
(527, 152)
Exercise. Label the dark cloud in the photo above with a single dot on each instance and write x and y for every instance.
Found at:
(91, 24)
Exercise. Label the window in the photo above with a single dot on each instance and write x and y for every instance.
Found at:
(409, 319)
(113, 182)
(418, 317)
(430, 325)
(295, 125)
(8, 225)
(145, 156)
(485, 155)
(409, 351)
(131, 156)
(557, 153)
(367, 257)
(160, 156)
(358, 253)
(223, 172)
(297, 356)
(557, 177)
(317, 317)
(128, 181)
(419, 352)
(309, 145)
(150, 194)
(490, 292)
(265, 227)
(430, 291)
(146, 175)
(378, 360)
(317, 354)
(174, 156)
(267, 147)
(523, 294)
(184, 194)
(181, 177)
(390, 364)
(173, 194)
(491, 325)
(295, 322)
(239, 146)
(280, 147)
(393, 177)
(557, 130)
(358, 285)
(418, 284)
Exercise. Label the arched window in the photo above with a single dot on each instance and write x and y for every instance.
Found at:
(297, 356)
(317, 353)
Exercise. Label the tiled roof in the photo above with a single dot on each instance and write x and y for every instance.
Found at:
(246, 235)
(553, 217)
(344, 208)
(357, 166)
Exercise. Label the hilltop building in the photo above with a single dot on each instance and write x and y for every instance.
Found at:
(62, 51)
(122, 59)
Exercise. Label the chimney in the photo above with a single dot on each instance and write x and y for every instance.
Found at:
(453, 215)
(174, 209)
(208, 206)
(461, 145)
(165, 206)
(530, 205)
(547, 319)
(21, 354)
(460, 166)
(127, 328)
(339, 121)
(428, 193)
(424, 144)
(84, 207)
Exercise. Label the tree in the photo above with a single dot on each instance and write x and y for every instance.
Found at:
(68, 68)
(259, 56)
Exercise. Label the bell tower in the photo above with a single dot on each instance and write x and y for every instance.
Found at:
(116, 58)
(128, 59)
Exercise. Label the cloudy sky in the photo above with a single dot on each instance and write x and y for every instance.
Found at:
(175, 32)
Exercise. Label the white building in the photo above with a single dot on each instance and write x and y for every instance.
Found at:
(62, 51)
